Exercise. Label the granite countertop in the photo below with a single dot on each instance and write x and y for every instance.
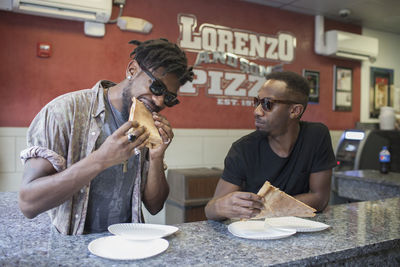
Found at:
(373, 176)
(366, 184)
(361, 233)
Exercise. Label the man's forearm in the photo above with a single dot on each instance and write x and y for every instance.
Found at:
(211, 211)
(50, 190)
(156, 189)
(315, 200)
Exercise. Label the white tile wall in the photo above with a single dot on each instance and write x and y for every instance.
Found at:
(190, 148)
(335, 136)
(12, 141)
(7, 163)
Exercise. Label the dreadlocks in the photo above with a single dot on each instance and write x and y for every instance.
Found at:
(153, 54)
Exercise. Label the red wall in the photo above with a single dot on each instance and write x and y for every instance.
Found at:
(78, 61)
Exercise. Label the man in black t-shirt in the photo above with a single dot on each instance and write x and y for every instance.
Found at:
(293, 155)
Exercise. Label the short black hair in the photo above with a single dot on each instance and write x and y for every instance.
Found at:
(298, 85)
(153, 54)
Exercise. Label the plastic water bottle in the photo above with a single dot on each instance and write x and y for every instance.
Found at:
(384, 159)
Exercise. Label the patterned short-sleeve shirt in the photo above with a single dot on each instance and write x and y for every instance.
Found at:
(64, 132)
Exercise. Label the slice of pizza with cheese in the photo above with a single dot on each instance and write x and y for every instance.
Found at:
(278, 204)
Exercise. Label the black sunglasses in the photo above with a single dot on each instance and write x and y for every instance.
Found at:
(268, 103)
(157, 87)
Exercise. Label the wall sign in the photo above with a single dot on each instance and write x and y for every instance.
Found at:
(343, 85)
(217, 45)
(381, 90)
(312, 77)
(210, 37)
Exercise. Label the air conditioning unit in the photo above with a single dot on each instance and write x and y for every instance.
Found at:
(350, 45)
(82, 10)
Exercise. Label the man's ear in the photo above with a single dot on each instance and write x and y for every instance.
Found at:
(132, 70)
(296, 111)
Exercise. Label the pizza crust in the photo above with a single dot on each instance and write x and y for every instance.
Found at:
(278, 204)
(143, 116)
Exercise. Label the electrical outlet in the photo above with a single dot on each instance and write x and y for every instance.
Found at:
(119, 2)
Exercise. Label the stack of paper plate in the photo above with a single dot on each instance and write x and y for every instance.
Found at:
(274, 228)
(132, 241)
(142, 231)
(298, 224)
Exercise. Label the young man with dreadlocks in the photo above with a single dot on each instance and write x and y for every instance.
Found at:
(77, 142)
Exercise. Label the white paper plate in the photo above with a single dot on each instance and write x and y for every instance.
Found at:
(118, 248)
(256, 230)
(141, 231)
(295, 223)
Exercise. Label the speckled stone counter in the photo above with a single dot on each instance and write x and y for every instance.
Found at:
(361, 233)
(366, 184)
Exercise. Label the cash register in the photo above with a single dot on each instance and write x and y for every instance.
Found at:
(359, 149)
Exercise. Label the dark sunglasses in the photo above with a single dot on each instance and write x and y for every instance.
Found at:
(157, 87)
(268, 103)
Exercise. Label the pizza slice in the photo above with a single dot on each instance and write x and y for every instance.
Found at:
(278, 204)
(143, 116)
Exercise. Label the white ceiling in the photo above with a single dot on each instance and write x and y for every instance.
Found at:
(382, 15)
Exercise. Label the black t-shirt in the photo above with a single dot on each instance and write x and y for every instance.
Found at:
(250, 161)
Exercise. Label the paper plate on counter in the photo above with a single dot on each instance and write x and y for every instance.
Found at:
(256, 230)
(295, 223)
(118, 248)
(141, 231)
